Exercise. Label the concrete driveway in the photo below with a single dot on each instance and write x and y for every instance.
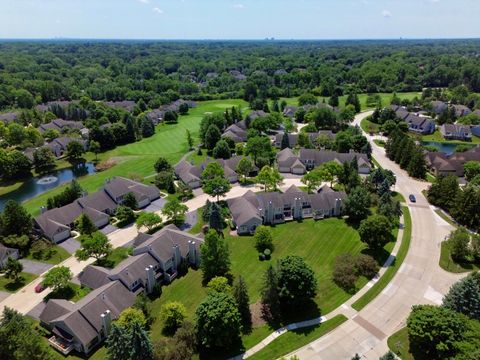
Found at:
(191, 219)
(71, 245)
(156, 205)
(35, 267)
(4, 295)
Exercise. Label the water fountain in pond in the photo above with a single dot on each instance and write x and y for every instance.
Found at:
(47, 180)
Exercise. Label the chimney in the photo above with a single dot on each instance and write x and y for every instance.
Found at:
(177, 257)
(338, 207)
(106, 321)
(192, 253)
(150, 279)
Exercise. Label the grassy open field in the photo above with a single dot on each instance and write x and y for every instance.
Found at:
(169, 141)
(437, 137)
(400, 345)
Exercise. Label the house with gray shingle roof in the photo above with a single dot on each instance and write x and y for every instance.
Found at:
(456, 132)
(6, 253)
(312, 158)
(56, 224)
(251, 210)
(156, 258)
(10, 117)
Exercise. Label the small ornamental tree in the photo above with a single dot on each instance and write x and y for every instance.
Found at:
(57, 278)
(269, 177)
(173, 314)
(13, 268)
(219, 284)
(244, 168)
(263, 239)
(162, 164)
(75, 150)
(85, 225)
(240, 293)
(125, 215)
(376, 231)
(296, 281)
(130, 201)
(175, 211)
(149, 220)
(218, 321)
(221, 150)
(96, 246)
(215, 257)
(459, 240)
(131, 316)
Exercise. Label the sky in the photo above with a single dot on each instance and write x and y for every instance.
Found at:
(239, 19)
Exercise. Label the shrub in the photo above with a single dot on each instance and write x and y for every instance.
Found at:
(366, 265)
(263, 239)
(173, 314)
(344, 272)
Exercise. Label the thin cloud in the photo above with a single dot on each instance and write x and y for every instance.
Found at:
(158, 10)
(239, 6)
(144, 1)
(386, 14)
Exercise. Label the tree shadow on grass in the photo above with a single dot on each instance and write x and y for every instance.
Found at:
(15, 285)
(380, 255)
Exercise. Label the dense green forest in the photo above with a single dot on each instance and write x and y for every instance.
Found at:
(160, 72)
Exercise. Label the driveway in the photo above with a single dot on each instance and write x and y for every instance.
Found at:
(35, 267)
(4, 295)
(190, 220)
(108, 229)
(71, 245)
(156, 205)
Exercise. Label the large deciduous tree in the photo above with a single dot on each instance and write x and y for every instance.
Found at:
(376, 231)
(215, 257)
(95, 245)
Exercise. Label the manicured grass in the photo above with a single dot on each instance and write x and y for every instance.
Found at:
(197, 159)
(369, 127)
(295, 339)
(12, 286)
(117, 256)
(376, 163)
(400, 345)
(399, 197)
(392, 270)
(318, 242)
(59, 255)
(169, 141)
(72, 292)
(447, 263)
(445, 217)
(197, 228)
(430, 177)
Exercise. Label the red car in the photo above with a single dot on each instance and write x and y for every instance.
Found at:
(39, 288)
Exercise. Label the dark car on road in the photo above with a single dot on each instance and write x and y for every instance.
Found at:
(412, 198)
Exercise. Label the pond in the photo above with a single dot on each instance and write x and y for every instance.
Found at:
(447, 148)
(35, 186)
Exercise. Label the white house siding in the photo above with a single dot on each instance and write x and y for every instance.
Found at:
(298, 170)
(284, 169)
(249, 226)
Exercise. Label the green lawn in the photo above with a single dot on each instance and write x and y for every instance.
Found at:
(369, 127)
(59, 255)
(380, 143)
(295, 339)
(400, 345)
(12, 286)
(72, 292)
(447, 263)
(138, 158)
(392, 270)
(117, 256)
(318, 242)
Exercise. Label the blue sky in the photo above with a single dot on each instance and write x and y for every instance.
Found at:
(239, 19)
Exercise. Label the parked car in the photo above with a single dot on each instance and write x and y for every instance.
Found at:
(412, 198)
(39, 288)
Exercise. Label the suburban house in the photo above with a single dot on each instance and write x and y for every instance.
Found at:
(61, 126)
(293, 138)
(416, 123)
(59, 145)
(10, 117)
(289, 111)
(191, 174)
(6, 253)
(49, 105)
(157, 115)
(288, 162)
(439, 107)
(456, 132)
(441, 164)
(237, 132)
(237, 75)
(56, 224)
(461, 110)
(156, 259)
(256, 114)
(252, 210)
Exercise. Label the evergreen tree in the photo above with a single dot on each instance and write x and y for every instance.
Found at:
(285, 141)
(215, 257)
(140, 344)
(130, 129)
(85, 225)
(464, 296)
(148, 129)
(212, 136)
(417, 167)
(333, 101)
(270, 296)
(222, 150)
(118, 343)
(215, 219)
(189, 139)
(240, 293)
(15, 220)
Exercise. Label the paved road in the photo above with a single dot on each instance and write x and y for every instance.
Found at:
(25, 300)
(419, 281)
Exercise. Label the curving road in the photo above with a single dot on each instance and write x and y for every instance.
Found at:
(419, 280)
